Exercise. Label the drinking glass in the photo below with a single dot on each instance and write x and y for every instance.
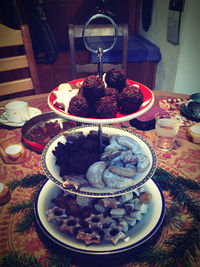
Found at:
(166, 127)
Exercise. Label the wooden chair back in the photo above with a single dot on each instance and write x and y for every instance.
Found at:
(24, 63)
(75, 31)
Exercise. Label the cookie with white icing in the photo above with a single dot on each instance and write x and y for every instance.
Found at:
(90, 237)
(70, 224)
(63, 96)
(56, 214)
(74, 181)
(114, 233)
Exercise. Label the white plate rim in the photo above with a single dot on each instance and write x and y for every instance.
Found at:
(158, 211)
(96, 193)
(19, 124)
(107, 120)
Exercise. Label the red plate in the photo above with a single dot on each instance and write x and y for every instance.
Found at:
(147, 104)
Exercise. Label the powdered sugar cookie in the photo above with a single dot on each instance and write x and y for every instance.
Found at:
(94, 174)
(116, 181)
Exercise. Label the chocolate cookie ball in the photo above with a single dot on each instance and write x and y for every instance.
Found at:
(116, 78)
(93, 88)
(78, 106)
(113, 92)
(130, 99)
(106, 107)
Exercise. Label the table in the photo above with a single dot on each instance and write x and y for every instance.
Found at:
(19, 244)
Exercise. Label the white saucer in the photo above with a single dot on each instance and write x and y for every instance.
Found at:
(32, 112)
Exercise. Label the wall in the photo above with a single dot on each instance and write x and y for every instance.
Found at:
(188, 76)
(178, 69)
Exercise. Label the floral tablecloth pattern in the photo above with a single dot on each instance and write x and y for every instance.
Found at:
(183, 160)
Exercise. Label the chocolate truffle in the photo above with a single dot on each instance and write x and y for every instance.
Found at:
(116, 78)
(78, 106)
(93, 88)
(130, 99)
(106, 107)
(113, 92)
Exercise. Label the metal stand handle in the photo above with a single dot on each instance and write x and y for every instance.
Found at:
(100, 138)
(99, 51)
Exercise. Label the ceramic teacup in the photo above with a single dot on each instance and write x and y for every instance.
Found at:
(17, 111)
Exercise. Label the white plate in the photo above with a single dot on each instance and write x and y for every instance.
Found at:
(146, 105)
(52, 170)
(136, 236)
(32, 113)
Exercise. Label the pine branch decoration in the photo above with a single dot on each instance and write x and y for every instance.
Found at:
(172, 217)
(28, 181)
(59, 260)
(167, 180)
(187, 183)
(14, 260)
(178, 250)
(152, 255)
(184, 199)
(27, 222)
(21, 207)
(187, 241)
(28, 219)
(180, 188)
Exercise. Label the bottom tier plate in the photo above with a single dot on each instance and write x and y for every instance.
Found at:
(136, 236)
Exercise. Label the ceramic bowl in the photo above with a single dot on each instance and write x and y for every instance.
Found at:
(37, 122)
(194, 108)
(195, 97)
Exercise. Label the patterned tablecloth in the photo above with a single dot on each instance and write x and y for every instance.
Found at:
(26, 247)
